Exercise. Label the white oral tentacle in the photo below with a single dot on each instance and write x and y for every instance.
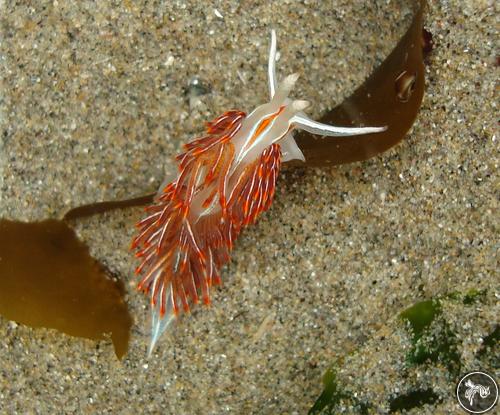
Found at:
(303, 122)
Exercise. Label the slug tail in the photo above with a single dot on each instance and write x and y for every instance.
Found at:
(159, 324)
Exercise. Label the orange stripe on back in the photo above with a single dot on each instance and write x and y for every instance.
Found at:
(264, 123)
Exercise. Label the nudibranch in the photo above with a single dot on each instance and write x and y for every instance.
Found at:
(225, 180)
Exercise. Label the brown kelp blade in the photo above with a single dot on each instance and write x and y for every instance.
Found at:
(103, 207)
(390, 97)
(48, 279)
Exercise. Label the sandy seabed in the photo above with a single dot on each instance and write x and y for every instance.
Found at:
(97, 96)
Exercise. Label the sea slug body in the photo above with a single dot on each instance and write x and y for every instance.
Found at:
(226, 179)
